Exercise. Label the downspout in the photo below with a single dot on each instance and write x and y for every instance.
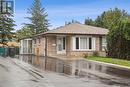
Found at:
(45, 51)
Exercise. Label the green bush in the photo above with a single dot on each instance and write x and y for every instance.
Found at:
(85, 55)
(95, 53)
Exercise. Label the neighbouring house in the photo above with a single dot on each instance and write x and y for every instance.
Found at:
(72, 40)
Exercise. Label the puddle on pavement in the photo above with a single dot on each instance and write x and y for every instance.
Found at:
(34, 80)
(82, 69)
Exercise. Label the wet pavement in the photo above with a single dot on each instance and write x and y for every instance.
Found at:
(12, 75)
(87, 73)
(58, 73)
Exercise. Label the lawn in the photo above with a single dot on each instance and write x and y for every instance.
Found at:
(111, 60)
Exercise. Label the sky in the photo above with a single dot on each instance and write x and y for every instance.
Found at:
(60, 11)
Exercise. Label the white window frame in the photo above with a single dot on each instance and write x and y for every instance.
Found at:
(93, 43)
(87, 43)
(63, 50)
(104, 43)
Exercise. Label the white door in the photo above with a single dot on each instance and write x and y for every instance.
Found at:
(61, 45)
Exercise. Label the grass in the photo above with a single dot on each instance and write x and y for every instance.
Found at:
(111, 60)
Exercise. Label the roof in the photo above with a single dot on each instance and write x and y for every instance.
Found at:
(77, 28)
(26, 37)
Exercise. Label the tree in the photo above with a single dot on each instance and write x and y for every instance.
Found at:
(71, 22)
(89, 21)
(118, 38)
(24, 32)
(6, 28)
(39, 23)
(99, 22)
(118, 41)
(127, 28)
(111, 18)
(118, 23)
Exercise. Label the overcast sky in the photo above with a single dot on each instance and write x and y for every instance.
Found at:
(60, 11)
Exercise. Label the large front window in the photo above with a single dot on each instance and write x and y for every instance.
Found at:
(83, 43)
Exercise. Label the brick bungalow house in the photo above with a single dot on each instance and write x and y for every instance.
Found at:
(72, 40)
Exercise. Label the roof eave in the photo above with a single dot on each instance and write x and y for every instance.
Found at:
(72, 34)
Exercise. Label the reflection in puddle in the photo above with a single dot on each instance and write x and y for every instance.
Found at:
(34, 80)
(82, 69)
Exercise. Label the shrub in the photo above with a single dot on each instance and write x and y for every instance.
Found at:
(85, 55)
(95, 53)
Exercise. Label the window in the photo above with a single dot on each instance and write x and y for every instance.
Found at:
(29, 46)
(6, 7)
(83, 43)
(90, 43)
(25, 46)
(35, 41)
(104, 43)
(77, 42)
(39, 40)
(63, 43)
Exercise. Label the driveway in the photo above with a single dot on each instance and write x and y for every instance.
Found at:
(15, 73)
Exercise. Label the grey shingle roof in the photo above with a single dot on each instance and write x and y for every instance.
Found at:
(77, 28)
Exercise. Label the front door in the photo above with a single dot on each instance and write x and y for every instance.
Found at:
(61, 45)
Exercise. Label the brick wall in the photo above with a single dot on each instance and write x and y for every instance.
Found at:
(51, 45)
(39, 47)
(72, 53)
